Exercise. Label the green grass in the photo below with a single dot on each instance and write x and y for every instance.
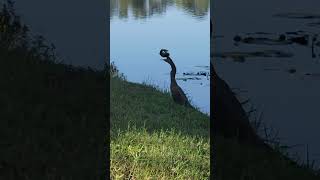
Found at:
(153, 138)
(163, 155)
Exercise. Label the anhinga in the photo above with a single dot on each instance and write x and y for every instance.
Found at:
(176, 92)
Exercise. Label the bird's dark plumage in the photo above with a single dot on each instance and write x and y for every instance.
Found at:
(176, 92)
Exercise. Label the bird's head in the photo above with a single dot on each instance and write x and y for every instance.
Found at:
(164, 53)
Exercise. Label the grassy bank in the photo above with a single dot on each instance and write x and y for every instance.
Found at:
(153, 138)
(52, 116)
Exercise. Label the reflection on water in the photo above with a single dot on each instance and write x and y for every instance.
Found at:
(139, 29)
(282, 76)
(147, 8)
(140, 9)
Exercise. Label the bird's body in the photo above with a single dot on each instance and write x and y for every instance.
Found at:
(177, 93)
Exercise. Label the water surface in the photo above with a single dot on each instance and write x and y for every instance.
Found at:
(78, 29)
(285, 88)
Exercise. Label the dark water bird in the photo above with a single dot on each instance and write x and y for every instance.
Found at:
(176, 92)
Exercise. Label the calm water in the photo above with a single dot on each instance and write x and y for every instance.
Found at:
(289, 99)
(77, 28)
(139, 29)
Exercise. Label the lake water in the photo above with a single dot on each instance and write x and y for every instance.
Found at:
(284, 86)
(78, 29)
(139, 29)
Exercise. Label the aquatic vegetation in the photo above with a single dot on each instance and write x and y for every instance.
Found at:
(242, 56)
(188, 78)
(313, 24)
(261, 40)
(296, 15)
(287, 38)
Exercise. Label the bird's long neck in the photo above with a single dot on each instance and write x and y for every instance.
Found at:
(173, 71)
